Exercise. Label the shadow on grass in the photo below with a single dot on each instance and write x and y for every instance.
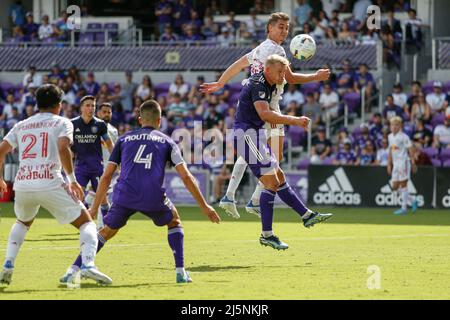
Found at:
(51, 239)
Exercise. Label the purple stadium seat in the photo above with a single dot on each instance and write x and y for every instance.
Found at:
(86, 39)
(446, 164)
(327, 161)
(445, 154)
(303, 164)
(310, 87)
(6, 86)
(428, 87)
(431, 152)
(436, 162)
(48, 42)
(438, 118)
(94, 26)
(111, 26)
(296, 134)
(162, 88)
(353, 101)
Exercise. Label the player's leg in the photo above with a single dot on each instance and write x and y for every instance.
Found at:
(228, 202)
(399, 186)
(26, 209)
(288, 196)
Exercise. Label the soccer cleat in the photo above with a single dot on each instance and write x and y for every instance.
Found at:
(230, 207)
(415, 205)
(316, 217)
(253, 209)
(94, 274)
(400, 212)
(184, 278)
(274, 242)
(70, 274)
(7, 272)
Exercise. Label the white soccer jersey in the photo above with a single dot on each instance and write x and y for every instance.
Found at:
(114, 135)
(258, 57)
(36, 139)
(399, 145)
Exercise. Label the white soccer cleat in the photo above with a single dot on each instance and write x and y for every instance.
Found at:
(94, 274)
(253, 209)
(6, 276)
(230, 207)
(70, 275)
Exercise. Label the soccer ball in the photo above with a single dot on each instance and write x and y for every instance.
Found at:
(303, 47)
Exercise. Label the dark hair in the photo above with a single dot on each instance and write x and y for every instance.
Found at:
(390, 96)
(105, 104)
(89, 97)
(48, 96)
(150, 110)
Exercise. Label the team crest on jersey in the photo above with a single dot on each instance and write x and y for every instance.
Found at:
(94, 129)
(262, 94)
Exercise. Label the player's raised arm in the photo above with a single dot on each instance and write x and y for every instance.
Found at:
(191, 185)
(5, 148)
(300, 78)
(65, 154)
(229, 74)
(267, 115)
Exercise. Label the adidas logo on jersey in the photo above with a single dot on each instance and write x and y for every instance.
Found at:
(387, 197)
(337, 190)
(77, 130)
(446, 200)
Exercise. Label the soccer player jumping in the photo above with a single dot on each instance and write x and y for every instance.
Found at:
(142, 155)
(250, 143)
(277, 32)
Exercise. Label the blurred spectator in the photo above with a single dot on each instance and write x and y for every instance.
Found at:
(345, 78)
(420, 109)
(190, 34)
(213, 119)
(391, 109)
(168, 35)
(146, 90)
(392, 25)
(17, 13)
(31, 28)
(18, 35)
(226, 38)
(320, 147)
(416, 89)
(195, 21)
(364, 79)
(13, 119)
(437, 99)
(69, 94)
(442, 134)
(229, 118)
(311, 109)
(400, 98)
(27, 98)
(292, 94)
(31, 79)
(367, 155)
(413, 32)
(181, 14)
(421, 158)
(342, 137)
(224, 92)
(179, 86)
(254, 23)
(195, 89)
(28, 112)
(302, 12)
(329, 102)
(244, 34)
(293, 109)
(56, 74)
(232, 24)
(163, 11)
(328, 6)
(376, 128)
(321, 24)
(383, 153)
(421, 134)
(128, 90)
(220, 179)
(345, 155)
(361, 140)
(61, 27)
(75, 76)
(177, 109)
(90, 85)
(360, 9)
(345, 34)
(8, 107)
(210, 29)
(45, 30)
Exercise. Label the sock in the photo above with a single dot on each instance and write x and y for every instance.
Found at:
(236, 176)
(257, 193)
(267, 234)
(101, 242)
(288, 196)
(175, 237)
(405, 197)
(88, 243)
(15, 240)
(266, 205)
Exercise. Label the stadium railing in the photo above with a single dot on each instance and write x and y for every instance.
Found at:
(441, 53)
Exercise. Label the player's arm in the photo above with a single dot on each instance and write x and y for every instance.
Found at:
(5, 148)
(229, 74)
(267, 115)
(108, 141)
(190, 184)
(389, 166)
(65, 155)
(103, 185)
(413, 159)
(299, 78)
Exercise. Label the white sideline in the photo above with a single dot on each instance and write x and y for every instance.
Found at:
(127, 245)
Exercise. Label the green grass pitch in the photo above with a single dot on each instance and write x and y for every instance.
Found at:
(226, 261)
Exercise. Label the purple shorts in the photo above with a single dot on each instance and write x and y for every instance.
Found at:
(118, 215)
(252, 146)
(84, 178)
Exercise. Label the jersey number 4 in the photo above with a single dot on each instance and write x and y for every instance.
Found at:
(147, 160)
(27, 154)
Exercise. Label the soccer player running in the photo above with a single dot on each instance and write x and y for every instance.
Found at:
(250, 143)
(89, 131)
(43, 142)
(277, 32)
(399, 164)
(142, 155)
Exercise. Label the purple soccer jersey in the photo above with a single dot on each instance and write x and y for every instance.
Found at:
(142, 155)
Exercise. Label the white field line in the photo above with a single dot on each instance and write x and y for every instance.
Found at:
(158, 244)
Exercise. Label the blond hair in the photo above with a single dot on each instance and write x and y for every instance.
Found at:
(274, 59)
(275, 17)
(396, 119)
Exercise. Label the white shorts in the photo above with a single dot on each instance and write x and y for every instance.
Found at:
(274, 130)
(401, 170)
(58, 202)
